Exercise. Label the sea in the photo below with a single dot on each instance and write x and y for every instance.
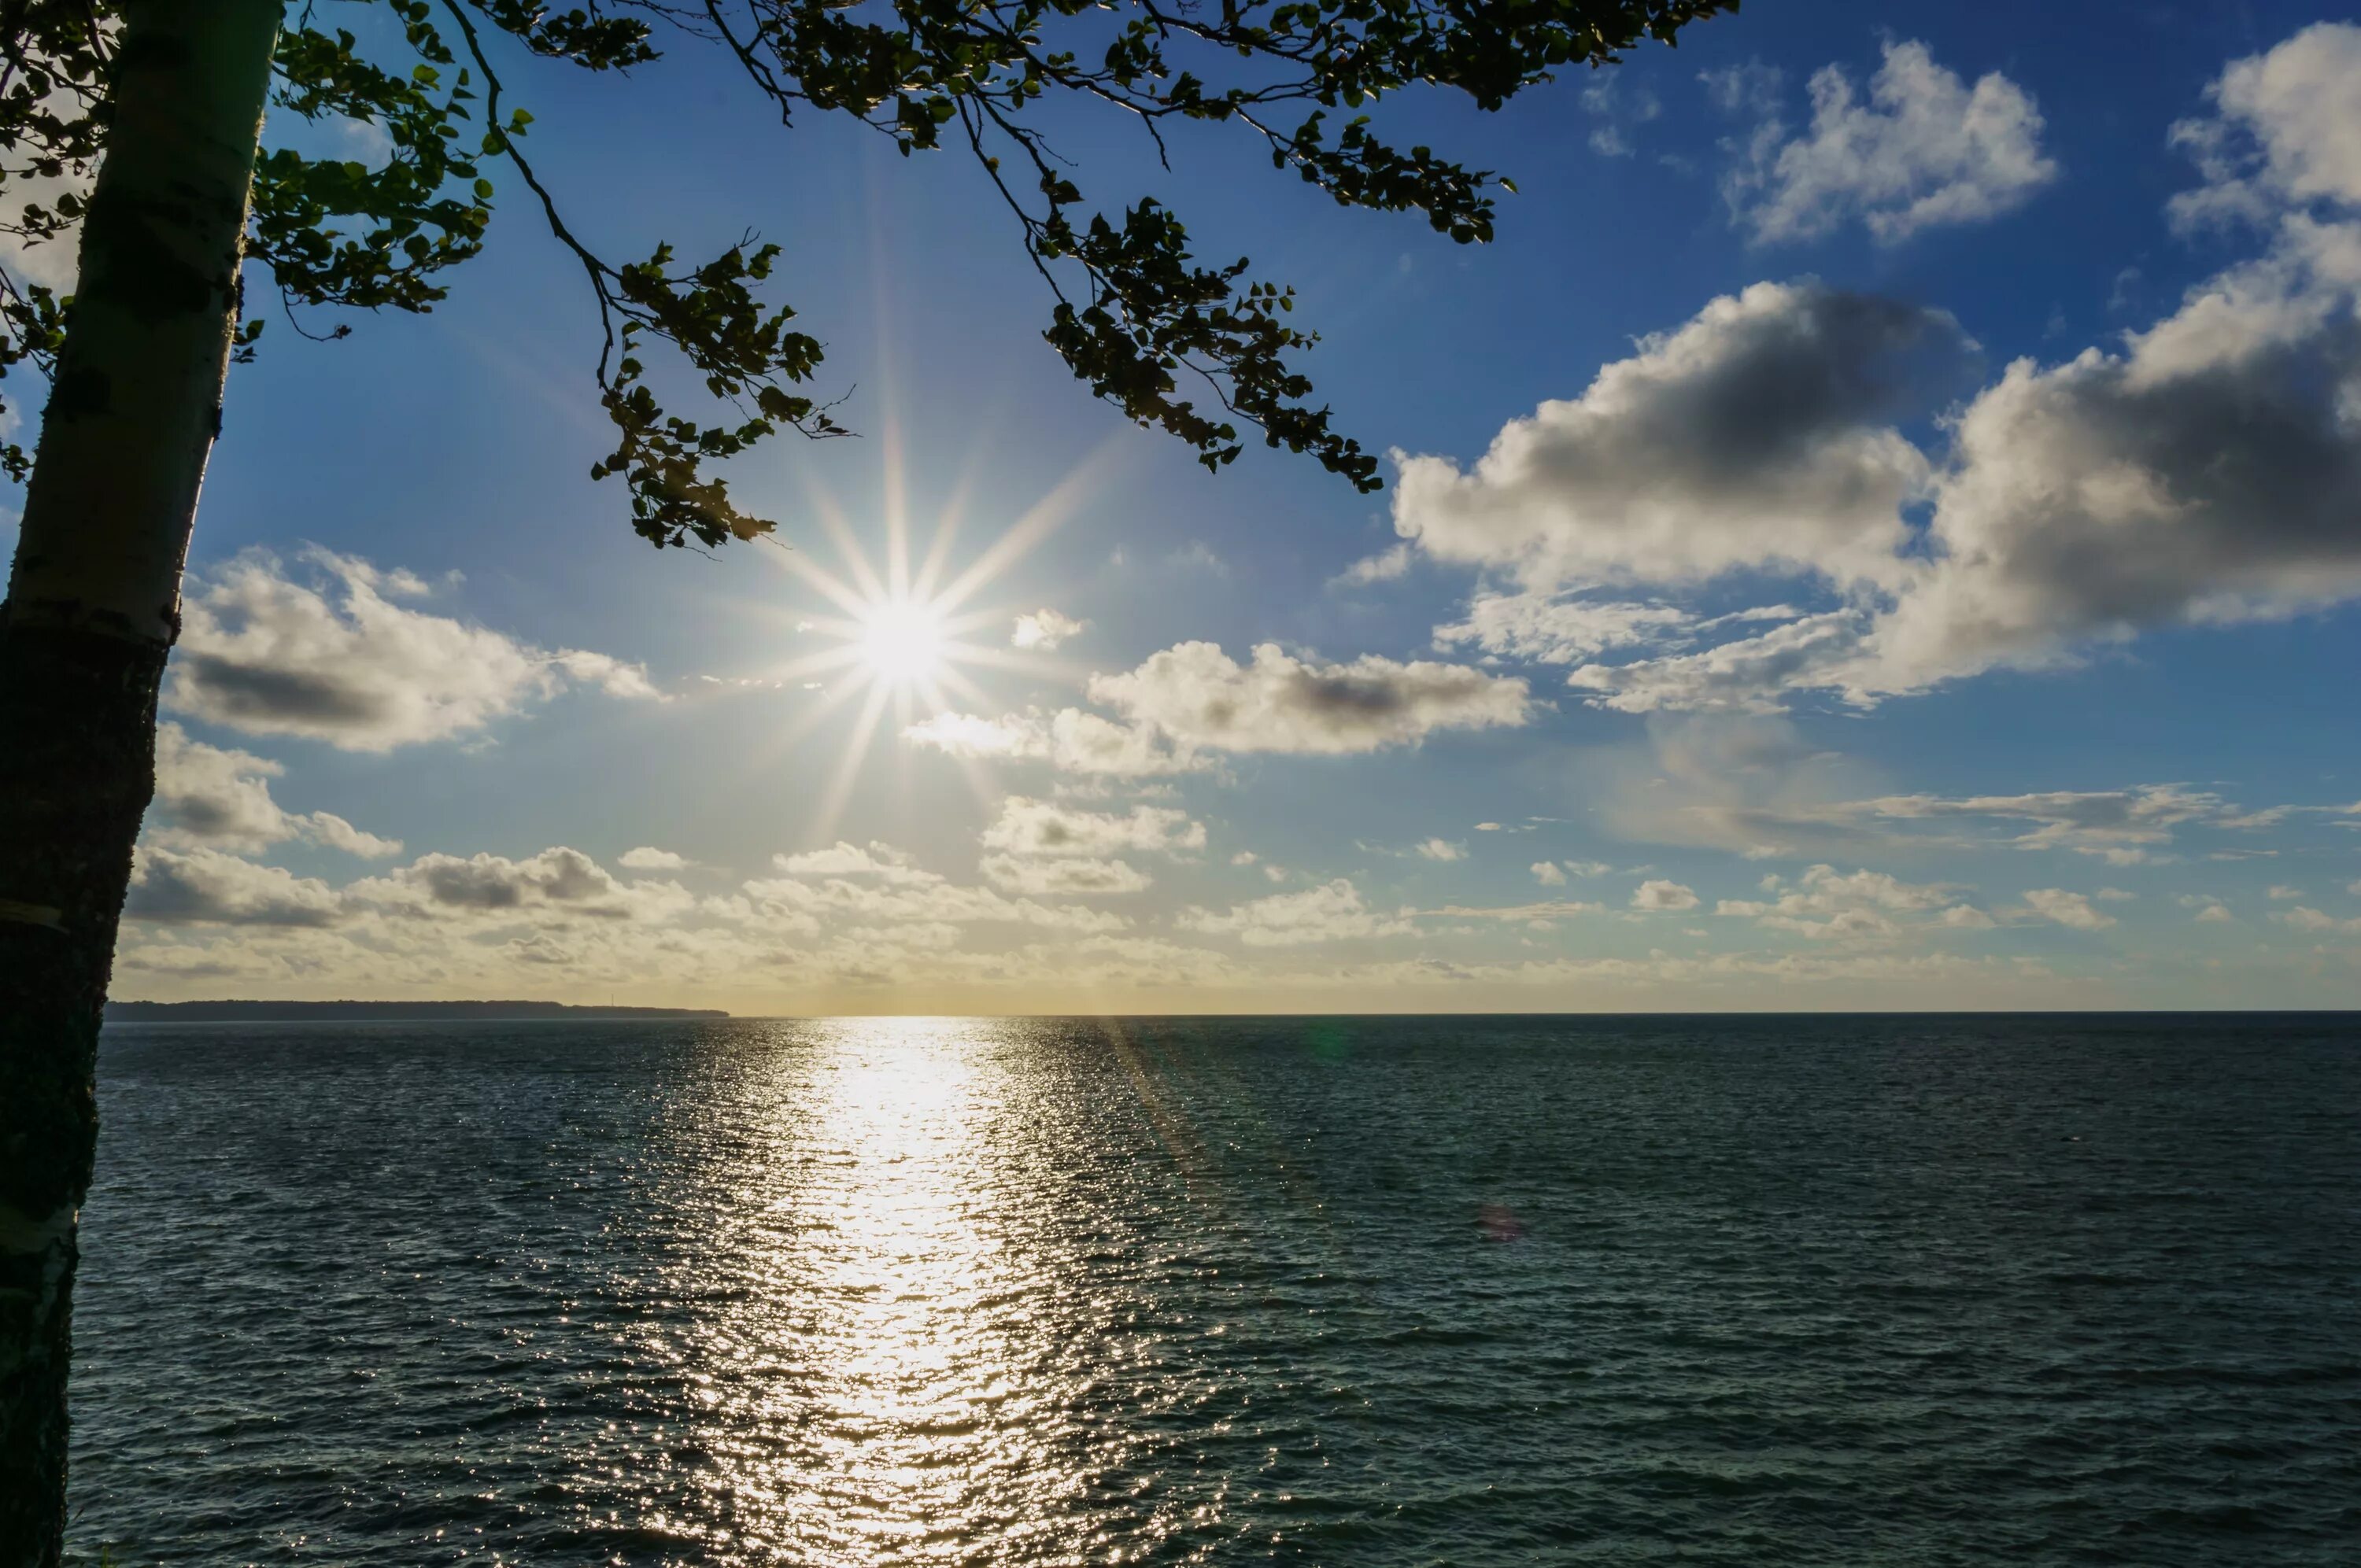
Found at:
(1912, 1291)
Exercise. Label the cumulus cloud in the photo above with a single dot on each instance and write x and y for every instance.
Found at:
(1657, 895)
(1522, 914)
(329, 656)
(207, 887)
(1547, 628)
(2287, 130)
(647, 858)
(1044, 828)
(2205, 908)
(1044, 630)
(2303, 917)
(1202, 698)
(551, 890)
(1193, 699)
(606, 672)
(1332, 911)
(1826, 903)
(1752, 675)
(555, 877)
(219, 797)
(1065, 875)
(882, 862)
(1548, 874)
(1760, 433)
(1046, 847)
(2071, 909)
(1070, 740)
(1924, 151)
(882, 888)
(1441, 850)
(1384, 567)
(2201, 472)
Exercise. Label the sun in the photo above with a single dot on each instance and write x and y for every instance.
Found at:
(908, 632)
(901, 642)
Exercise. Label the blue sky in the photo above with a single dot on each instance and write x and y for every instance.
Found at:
(1913, 566)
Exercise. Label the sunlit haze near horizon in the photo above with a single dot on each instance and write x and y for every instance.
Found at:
(1881, 528)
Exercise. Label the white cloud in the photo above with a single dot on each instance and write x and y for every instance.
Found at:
(647, 858)
(1331, 912)
(333, 658)
(2303, 917)
(1202, 698)
(1619, 113)
(1045, 629)
(1524, 914)
(1442, 849)
(1926, 150)
(1193, 699)
(1749, 675)
(1384, 567)
(1548, 874)
(1070, 740)
(608, 674)
(1548, 629)
(2282, 893)
(2072, 909)
(328, 828)
(882, 888)
(2287, 130)
(2204, 473)
(1043, 847)
(1828, 904)
(1064, 876)
(220, 798)
(557, 877)
(1752, 88)
(206, 887)
(1042, 828)
(2206, 908)
(1759, 434)
(882, 861)
(2120, 826)
(1657, 895)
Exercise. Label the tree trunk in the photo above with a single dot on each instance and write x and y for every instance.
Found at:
(93, 608)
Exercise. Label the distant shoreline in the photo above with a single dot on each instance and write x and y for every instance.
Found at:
(359, 1012)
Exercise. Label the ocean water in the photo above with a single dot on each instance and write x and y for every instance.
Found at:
(1910, 1291)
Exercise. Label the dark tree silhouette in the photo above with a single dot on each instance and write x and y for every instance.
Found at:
(162, 102)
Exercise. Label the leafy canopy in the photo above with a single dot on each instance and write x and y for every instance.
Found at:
(1194, 349)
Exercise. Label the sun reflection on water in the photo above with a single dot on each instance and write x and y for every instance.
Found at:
(896, 1375)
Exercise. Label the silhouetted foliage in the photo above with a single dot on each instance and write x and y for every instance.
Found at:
(1194, 349)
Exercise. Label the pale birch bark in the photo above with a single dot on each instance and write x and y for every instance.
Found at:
(92, 608)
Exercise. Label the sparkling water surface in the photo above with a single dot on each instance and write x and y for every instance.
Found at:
(1909, 1291)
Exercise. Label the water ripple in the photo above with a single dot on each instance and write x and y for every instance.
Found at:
(1021, 1292)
